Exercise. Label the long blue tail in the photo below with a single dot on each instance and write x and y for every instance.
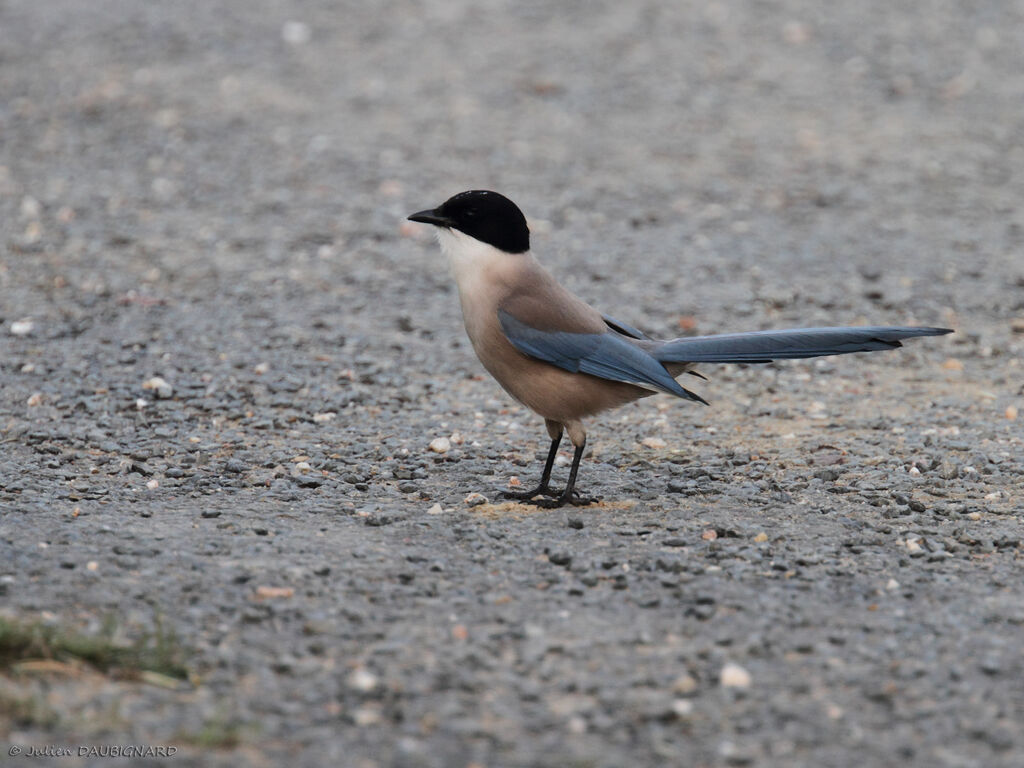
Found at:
(765, 346)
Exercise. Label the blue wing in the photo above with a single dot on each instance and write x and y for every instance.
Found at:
(606, 355)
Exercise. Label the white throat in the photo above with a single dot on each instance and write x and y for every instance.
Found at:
(471, 261)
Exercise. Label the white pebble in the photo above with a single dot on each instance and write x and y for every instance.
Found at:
(362, 680)
(734, 676)
(159, 386)
(141, 403)
(153, 484)
(653, 442)
(30, 208)
(475, 499)
(296, 32)
(301, 468)
(437, 509)
(915, 471)
(440, 445)
(892, 585)
(22, 327)
(163, 188)
(35, 399)
(682, 707)
(323, 418)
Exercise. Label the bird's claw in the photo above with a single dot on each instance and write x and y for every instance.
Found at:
(528, 495)
(574, 498)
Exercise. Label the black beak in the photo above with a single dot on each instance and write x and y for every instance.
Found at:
(431, 217)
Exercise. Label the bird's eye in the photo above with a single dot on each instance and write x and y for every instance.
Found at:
(471, 212)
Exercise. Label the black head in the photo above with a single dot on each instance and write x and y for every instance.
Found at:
(486, 216)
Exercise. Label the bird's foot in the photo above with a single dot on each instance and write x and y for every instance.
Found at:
(540, 490)
(572, 497)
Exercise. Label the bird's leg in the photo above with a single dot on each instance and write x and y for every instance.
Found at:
(570, 494)
(545, 478)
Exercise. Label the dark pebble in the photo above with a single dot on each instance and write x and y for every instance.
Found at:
(560, 558)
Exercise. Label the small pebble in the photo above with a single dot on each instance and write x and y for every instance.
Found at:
(475, 499)
(734, 676)
(440, 445)
(1011, 412)
(654, 442)
(323, 418)
(153, 484)
(362, 679)
(35, 400)
(274, 593)
(365, 716)
(22, 327)
(436, 509)
(560, 557)
(159, 387)
(576, 725)
(796, 32)
(296, 33)
(684, 684)
(682, 707)
(30, 208)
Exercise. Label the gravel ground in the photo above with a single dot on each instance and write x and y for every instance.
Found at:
(224, 354)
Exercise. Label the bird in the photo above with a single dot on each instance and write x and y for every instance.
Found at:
(565, 360)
